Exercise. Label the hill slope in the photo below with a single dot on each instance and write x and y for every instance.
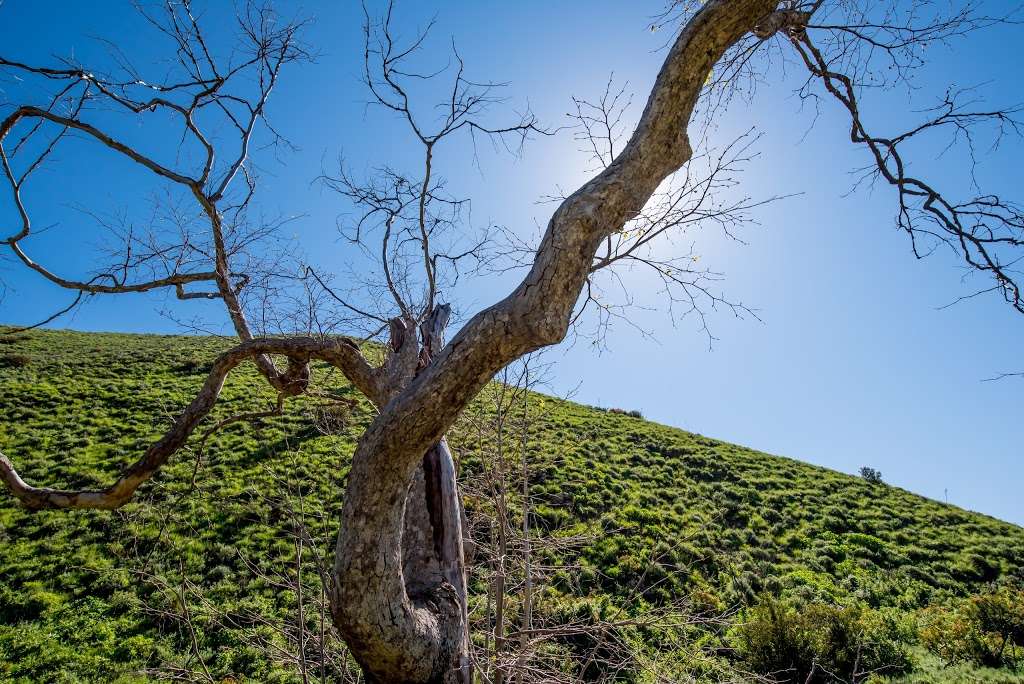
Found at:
(650, 515)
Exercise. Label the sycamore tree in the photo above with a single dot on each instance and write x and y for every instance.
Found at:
(398, 587)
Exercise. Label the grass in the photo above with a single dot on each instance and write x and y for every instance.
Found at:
(92, 596)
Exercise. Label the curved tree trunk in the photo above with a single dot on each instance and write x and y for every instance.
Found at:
(425, 617)
(430, 548)
(414, 632)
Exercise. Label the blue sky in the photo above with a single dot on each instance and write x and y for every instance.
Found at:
(854, 361)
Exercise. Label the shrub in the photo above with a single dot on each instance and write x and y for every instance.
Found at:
(871, 475)
(986, 629)
(949, 634)
(623, 412)
(14, 360)
(799, 645)
(1001, 612)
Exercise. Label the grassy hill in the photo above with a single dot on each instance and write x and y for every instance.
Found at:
(196, 576)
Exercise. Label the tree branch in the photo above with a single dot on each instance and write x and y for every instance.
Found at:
(341, 353)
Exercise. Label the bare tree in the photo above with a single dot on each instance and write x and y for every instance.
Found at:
(399, 577)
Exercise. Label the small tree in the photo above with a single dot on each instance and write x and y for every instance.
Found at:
(871, 475)
(399, 598)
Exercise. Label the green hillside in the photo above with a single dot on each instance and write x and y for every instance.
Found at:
(192, 577)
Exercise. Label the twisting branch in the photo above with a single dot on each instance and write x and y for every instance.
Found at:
(340, 353)
(196, 86)
(372, 606)
(987, 231)
(697, 198)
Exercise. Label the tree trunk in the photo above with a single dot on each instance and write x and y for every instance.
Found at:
(430, 605)
(395, 635)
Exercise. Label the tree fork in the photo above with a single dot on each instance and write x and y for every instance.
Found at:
(431, 547)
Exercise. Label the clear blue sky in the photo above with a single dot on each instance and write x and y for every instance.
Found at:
(854, 363)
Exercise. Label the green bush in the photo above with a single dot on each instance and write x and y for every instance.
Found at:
(949, 634)
(986, 629)
(805, 644)
(871, 475)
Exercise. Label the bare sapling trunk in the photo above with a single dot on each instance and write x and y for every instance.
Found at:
(527, 622)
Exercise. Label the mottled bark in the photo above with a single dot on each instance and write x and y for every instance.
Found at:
(431, 544)
(432, 541)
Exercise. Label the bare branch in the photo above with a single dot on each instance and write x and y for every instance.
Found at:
(986, 232)
(343, 354)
